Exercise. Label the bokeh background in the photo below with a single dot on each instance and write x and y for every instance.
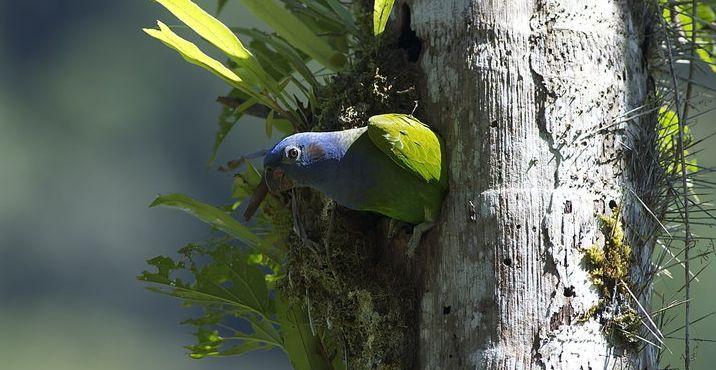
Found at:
(95, 120)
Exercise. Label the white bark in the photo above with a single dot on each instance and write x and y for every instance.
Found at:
(518, 88)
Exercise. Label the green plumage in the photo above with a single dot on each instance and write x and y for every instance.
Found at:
(416, 195)
(410, 144)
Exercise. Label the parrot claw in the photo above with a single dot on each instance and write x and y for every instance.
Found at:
(298, 226)
(418, 232)
(393, 227)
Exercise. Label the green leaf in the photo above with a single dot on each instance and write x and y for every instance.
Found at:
(303, 348)
(295, 32)
(343, 12)
(707, 58)
(208, 344)
(228, 284)
(210, 215)
(668, 145)
(235, 280)
(323, 20)
(245, 182)
(228, 119)
(192, 54)
(208, 27)
(381, 13)
(704, 18)
(705, 12)
(216, 33)
(284, 126)
(282, 50)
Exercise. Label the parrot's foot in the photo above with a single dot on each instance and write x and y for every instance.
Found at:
(393, 227)
(418, 232)
(298, 226)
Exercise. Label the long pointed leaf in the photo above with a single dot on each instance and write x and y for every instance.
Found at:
(207, 27)
(220, 36)
(192, 54)
(381, 13)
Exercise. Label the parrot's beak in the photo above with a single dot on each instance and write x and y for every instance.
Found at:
(277, 181)
(256, 198)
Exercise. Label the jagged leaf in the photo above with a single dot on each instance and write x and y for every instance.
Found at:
(229, 285)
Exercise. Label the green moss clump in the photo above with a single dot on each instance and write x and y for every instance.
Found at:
(370, 87)
(609, 264)
(357, 292)
(608, 267)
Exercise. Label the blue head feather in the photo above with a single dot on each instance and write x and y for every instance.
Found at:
(309, 157)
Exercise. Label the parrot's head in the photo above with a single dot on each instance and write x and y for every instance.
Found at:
(297, 161)
(303, 159)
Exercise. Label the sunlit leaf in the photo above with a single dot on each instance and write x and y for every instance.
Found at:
(192, 54)
(381, 13)
(216, 33)
(207, 27)
(668, 144)
(704, 46)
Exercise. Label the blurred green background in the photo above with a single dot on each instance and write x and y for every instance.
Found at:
(95, 120)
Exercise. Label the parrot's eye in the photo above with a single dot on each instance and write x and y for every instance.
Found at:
(292, 152)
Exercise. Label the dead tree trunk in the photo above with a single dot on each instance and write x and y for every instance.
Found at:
(531, 98)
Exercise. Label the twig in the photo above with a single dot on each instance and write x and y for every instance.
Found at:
(684, 185)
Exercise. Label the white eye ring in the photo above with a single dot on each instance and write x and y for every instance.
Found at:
(292, 152)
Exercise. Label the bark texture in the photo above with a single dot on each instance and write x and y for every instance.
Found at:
(531, 98)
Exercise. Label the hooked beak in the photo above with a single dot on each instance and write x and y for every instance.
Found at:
(273, 180)
(277, 181)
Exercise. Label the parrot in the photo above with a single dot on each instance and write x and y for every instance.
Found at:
(394, 166)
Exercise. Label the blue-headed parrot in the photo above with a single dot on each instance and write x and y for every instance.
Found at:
(394, 166)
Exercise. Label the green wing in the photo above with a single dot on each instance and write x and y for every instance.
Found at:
(410, 144)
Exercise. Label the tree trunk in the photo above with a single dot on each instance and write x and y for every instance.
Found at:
(530, 97)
